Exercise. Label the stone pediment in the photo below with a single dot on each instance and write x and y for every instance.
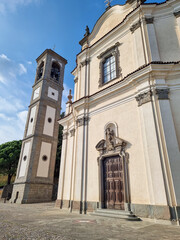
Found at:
(111, 143)
(104, 145)
(109, 20)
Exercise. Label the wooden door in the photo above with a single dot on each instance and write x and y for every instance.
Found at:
(113, 183)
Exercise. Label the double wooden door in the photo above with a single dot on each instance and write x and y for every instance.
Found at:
(113, 183)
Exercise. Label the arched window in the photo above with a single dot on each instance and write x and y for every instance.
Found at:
(55, 71)
(40, 71)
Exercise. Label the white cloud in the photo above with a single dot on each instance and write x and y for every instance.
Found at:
(22, 69)
(29, 62)
(22, 116)
(14, 98)
(2, 79)
(10, 105)
(3, 116)
(12, 128)
(11, 5)
(3, 56)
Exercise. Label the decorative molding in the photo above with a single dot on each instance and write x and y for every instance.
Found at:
(76, 80)
(108, 50)
(162, 93)
(82, 121)
(65, 135)
(144, 98)
(85, 62)
(177, 14)
(72, 132)
(135, 26)
(149, 20)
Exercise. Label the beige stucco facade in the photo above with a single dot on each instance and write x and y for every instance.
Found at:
(141, 105)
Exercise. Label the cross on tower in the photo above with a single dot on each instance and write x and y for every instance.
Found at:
(108, 3)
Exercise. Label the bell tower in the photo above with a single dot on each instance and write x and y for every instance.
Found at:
(35, 173)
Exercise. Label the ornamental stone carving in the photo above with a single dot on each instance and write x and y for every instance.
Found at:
(144, 98)
(72, 132)
(177, 14)
(149, 20)
(76, 80)
(65, 135)
(85, 62)
(82, 121)
(162, 93)
(135, 26)
(111, 144)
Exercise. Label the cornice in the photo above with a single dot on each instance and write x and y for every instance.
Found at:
(52, 53)
(131, 78)
(65, 119)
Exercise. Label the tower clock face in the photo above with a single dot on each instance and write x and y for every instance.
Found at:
(36, 93)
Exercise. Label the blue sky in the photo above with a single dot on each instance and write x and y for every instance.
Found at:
(27, 28)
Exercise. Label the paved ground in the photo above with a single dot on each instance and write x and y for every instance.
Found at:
(45, 222)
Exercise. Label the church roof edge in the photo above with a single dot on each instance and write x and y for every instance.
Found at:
(143, 3)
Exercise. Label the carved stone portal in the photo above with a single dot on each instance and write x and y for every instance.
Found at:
(114, 191)
(112, 143)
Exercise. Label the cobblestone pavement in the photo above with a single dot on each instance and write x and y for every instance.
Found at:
(45, 222)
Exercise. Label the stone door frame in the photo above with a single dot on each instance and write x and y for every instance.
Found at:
(124, 157)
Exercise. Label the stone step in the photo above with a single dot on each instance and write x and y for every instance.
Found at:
(126, 215)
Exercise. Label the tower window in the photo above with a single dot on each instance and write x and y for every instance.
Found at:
(109, 69)
(40, 71)
(31, 120)
(55, 71)
(24, 158)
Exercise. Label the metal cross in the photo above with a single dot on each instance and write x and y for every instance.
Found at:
(54, 47)
(108, 3)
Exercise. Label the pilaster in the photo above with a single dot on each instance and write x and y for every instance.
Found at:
(156, 186)
(139, 50)
(151, 35)
(170, 144)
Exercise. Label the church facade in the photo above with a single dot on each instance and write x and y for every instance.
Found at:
(121, 137)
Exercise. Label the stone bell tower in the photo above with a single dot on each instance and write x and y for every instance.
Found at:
(35, 173)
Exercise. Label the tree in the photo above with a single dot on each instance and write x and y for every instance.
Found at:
(9, 156)
(59, 148)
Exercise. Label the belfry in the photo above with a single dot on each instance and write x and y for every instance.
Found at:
(35, 174)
